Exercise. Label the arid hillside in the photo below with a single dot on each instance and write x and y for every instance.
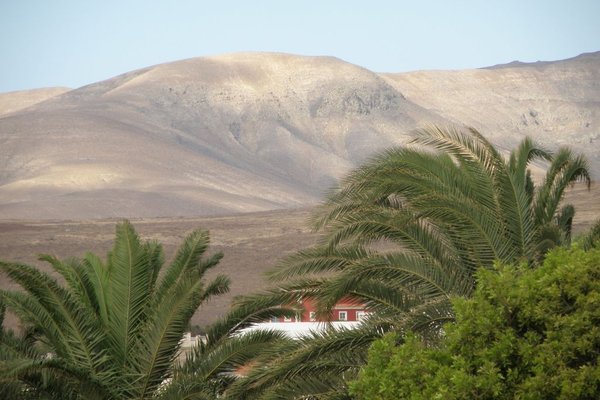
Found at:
(254, 132)
(555, 103)
(14, 101)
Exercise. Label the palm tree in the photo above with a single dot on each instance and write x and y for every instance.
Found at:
(112, 330)
(404, 233)
(227, 350)
(591, 239)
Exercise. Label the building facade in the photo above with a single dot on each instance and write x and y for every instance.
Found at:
(346, 310)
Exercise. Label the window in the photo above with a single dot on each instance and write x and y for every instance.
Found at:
(343, 316)
(287, 319)
(312, 316)
(361, 315)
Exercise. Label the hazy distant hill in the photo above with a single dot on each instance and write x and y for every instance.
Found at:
(556, 103)
(15, 101)
(255, 131)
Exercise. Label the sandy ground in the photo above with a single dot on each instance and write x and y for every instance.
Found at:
(252, 243)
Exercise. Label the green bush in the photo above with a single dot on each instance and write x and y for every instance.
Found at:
(525, 334)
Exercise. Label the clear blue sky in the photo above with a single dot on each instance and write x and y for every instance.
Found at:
(75, 42)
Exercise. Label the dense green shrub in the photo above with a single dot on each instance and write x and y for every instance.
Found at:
(525, 334)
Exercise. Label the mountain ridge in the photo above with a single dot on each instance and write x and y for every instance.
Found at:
(258, 131)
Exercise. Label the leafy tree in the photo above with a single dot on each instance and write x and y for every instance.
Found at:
(525, 333)
(112, 330)
(406, 232)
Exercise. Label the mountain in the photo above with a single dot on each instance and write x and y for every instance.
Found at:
(555, 103)
(15, 101)
(260, 131)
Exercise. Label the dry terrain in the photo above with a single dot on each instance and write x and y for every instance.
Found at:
(252, 132)
(14, 101)
(244, 144)
(252, 243)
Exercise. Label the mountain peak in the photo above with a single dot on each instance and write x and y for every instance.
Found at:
(260, 131)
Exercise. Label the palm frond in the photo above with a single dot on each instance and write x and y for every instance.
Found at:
(565, 169)
(188, 257)
(158, 345)
(76, 278)
(332, 353)
(65, 322)
(318, 260)
(129, 278)
(230, 356)
(99, 278)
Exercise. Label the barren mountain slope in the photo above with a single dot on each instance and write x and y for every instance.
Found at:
(255, 131)
(235, 133)
(15, 101)
(556, 103)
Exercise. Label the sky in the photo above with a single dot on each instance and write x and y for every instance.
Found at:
(46, 43)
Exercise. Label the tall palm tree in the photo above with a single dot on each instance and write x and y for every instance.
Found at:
(404, 233)
(112, 330)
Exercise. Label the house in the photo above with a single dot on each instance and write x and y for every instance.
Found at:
(346, 314)
(346, 310)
